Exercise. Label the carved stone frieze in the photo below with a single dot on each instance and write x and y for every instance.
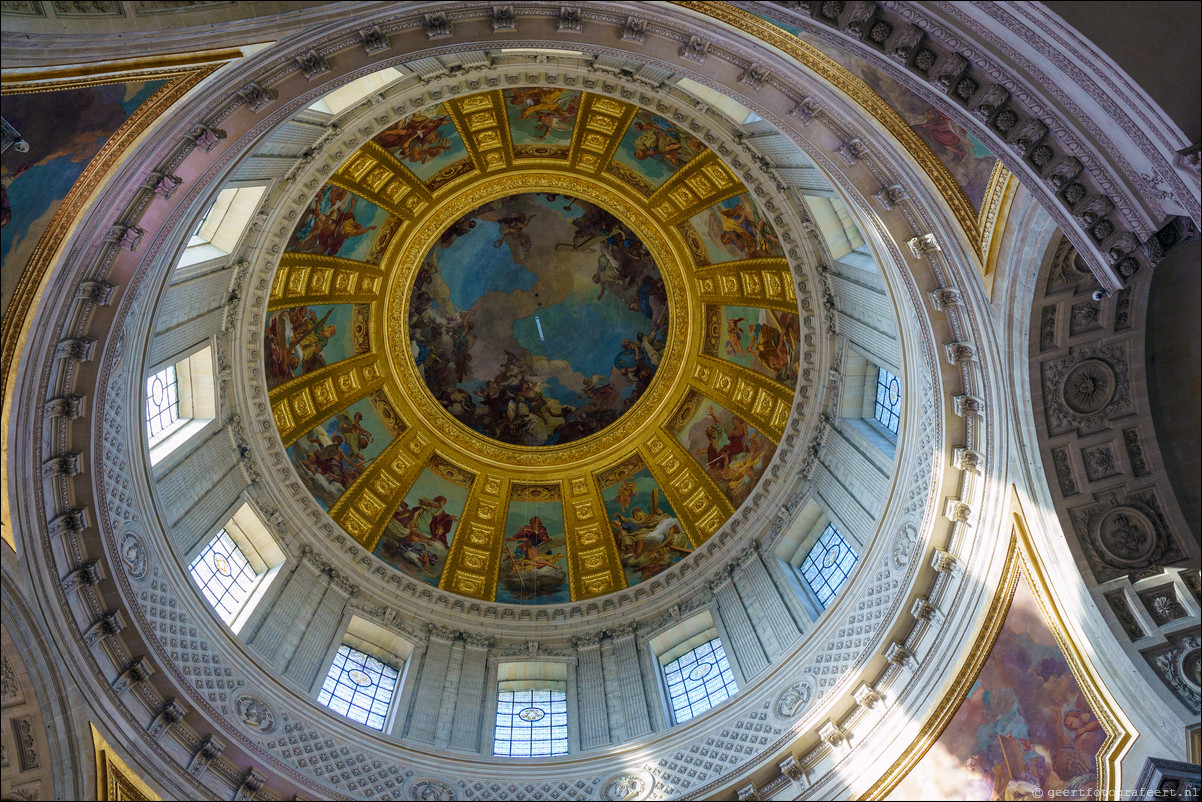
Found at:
(794, 699)
(1125, 533)
(1180, 668)
(1086, 389)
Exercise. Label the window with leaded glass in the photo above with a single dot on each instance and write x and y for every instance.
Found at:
(532, 721)
(359, 687)
(888, 399)
(224, 575)
(180, 401)
(698, 680)
(162, 402)
(828, 565)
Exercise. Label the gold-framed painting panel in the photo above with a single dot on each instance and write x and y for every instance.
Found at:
(1022, 563)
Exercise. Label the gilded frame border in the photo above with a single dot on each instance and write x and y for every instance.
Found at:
(1021, 560)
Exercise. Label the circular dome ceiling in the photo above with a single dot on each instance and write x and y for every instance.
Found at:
(532, 345)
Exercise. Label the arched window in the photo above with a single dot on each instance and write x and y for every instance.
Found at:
(217, 233)
(698, 680)
(180, 400)
(828, 565)
(532, 710)
(887, 407)
(694, 668)
(235, 567)
(360, 687)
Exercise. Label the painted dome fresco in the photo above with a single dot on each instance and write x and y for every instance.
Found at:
(532, 345)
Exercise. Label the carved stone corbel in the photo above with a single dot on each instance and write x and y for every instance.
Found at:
(62, 465)
(209, 750)
(90, 573)
(171, 712)
(923, 610)
(138, 671)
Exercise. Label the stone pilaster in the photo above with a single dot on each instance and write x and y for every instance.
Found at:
(744, 646)
(630, 681)
(590, 692)
(469, 708)
(423, 721)
(320, 632)
(295, 601)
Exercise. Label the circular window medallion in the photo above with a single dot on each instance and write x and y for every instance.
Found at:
(1089, 386)
(221, 564)
(359, 678)
(1191, 667)
(531, 714)
(538, 319)
(701, 671)
(1126, 536)
(894, 391)
(830, 558)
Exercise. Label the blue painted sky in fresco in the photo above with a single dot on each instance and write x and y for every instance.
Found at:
(473, 268)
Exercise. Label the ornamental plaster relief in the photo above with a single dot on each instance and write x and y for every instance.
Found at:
(953, 51)
(738, 736)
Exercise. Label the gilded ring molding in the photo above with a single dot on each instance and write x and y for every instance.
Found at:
(470, 448)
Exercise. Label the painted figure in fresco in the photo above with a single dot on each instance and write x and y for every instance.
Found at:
(775, 346)
(626, 492)
(734, 336)
(325, 232)
(743, 230)
(660, 140)
(332, 460)
(527, 571)
(732, 453)
(649, 542)
(513, 227)
(416, 138)
(310, 337)
(943, 130)
(354, 436)
(548, 106)
(296, 338)
(423, 530)
(772, 346)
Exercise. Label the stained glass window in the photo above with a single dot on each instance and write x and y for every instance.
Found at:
(162, 401)
(888, 399)
(531, 723)
(698, 680)
(224, 576)
(828, 565)
(359, 687)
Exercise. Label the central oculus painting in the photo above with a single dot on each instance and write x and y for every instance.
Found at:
(538, 319)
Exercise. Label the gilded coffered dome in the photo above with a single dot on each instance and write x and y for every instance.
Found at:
(532, 345)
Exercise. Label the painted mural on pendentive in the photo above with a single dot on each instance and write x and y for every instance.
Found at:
(538, 319)
(534, 557)
(419, 533)
(1025, 730)
(541, 115)
(732, 453)
(331, 456)
(303, 339)
(339, 223)
(655, 147)
(764, 340)
(64, 130)
(649, 536)
(425, 141)
(968, 160)
(735, 229)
